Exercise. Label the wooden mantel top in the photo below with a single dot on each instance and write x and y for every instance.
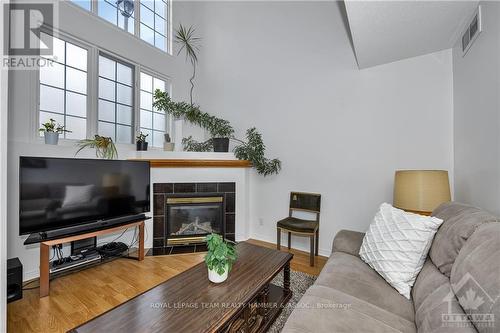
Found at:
(195, 163)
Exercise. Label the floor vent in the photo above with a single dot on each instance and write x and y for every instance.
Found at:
(472, 31)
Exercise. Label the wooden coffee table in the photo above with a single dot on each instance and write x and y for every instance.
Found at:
(189, 302)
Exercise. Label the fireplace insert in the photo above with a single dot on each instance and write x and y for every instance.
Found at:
(190, 218)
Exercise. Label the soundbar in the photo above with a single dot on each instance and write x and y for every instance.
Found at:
(79, 229)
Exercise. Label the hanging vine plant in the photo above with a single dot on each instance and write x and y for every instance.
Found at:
(252, 149)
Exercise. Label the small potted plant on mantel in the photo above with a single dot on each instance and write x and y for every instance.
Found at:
(142, 144)
(51, 131)
(220, 258)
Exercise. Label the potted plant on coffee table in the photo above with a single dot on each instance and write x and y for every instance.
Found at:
(51, 131)
(220, 258)
(142, 144)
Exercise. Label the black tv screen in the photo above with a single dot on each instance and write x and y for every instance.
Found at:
(57, 193)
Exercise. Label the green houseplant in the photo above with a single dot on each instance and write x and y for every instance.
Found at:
(220, 258)
(141, 143)
(104, 146)
(252, 149)
(51, 131)
(189, 43)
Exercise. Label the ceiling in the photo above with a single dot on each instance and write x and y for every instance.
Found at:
(387, 31)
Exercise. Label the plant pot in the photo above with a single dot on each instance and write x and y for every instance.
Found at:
(142, 146)
(168, 146)
(214, 277)
(221, 145)
(51, 138)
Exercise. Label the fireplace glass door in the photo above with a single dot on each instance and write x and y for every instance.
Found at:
(191, 219)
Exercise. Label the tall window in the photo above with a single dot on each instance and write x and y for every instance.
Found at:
(152, 122)
(119, 13)
(154, 17)
(63, 89)
(115, 109)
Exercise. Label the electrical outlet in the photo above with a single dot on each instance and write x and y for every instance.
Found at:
(261, 221)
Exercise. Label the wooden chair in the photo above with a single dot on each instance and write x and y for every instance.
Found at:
(305, 202)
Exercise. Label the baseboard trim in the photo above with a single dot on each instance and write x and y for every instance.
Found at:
(321, 251)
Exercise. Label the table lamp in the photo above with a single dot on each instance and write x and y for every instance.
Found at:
(421, 191)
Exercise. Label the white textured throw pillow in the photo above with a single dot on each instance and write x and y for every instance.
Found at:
(396, 245)
(77, 194)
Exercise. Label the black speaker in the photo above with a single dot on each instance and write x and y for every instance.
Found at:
(14, 280)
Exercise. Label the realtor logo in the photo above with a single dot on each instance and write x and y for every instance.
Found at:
(477, 304)
(22, 38)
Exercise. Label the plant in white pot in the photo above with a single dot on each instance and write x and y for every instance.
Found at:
(51, 131)
(220, 258)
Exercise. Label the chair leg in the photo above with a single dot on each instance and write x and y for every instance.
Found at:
(311, 255)
(289, 240)
(278, 239)
(317, 241)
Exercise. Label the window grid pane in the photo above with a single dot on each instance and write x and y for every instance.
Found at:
(152, 122)
(154, 19)
(155, 23)
(115, 107)
(63, 90)
(108, 10)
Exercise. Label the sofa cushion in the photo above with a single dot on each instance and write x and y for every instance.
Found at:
(350, 275)
(460, 221)
(348, 241)
(475, 277)
(324, 309)
(434, 302)
(396, 245)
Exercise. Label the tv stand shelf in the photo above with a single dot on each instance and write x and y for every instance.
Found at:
(45, 249)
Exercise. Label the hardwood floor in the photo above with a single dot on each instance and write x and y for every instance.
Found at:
(78, 297)
(300, 261)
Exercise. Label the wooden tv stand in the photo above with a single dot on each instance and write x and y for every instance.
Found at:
(45, 249)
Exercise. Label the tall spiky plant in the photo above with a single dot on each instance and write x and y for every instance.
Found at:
(189, 43)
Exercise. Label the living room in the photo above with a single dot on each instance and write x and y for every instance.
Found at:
(369, 125)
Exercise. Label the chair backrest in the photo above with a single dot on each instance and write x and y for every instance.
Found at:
(305, 202)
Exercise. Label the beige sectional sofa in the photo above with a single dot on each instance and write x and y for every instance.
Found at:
(461, 276)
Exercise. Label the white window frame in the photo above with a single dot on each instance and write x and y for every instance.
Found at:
(134, 99)
(36, 117)
(168, 88)
(94, 10)
(93, 53)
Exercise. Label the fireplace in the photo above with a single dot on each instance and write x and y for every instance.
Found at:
(173, 222)
(189, 218)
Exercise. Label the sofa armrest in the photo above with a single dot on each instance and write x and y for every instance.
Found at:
(348, 241)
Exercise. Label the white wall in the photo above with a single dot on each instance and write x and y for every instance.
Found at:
(23, 104)
(3, 185)
(288, 69)
(476, 89)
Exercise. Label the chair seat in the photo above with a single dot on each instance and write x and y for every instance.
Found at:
(298, 225)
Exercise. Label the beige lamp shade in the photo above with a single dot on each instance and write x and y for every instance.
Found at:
(421, 191)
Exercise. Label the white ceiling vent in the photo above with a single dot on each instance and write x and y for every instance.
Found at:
(472, 31)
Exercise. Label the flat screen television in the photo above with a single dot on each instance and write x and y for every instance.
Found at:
(57, 193)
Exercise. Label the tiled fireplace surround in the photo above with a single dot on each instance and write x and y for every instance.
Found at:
(160, 192)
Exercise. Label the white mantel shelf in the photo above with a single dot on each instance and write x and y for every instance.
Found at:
(164, 159)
